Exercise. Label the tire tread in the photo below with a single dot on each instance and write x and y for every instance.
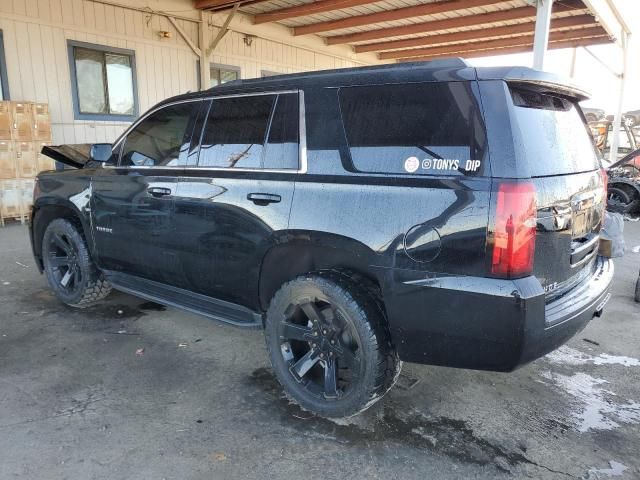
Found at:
(362, 296)
(96, 287)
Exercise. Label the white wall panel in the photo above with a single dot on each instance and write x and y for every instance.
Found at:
(36, 34)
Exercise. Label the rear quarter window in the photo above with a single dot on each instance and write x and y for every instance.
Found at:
(556, 141)
(431, 128)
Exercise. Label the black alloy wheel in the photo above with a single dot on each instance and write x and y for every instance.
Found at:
(62, 257)
(329, 344)
(319, 348)
(70, 270)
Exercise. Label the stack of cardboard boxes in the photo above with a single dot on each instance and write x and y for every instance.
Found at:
(25, 127)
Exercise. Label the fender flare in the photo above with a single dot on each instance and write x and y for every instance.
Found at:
(56, 207)
(299, 252)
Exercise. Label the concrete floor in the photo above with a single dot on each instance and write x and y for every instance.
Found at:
(77, 402)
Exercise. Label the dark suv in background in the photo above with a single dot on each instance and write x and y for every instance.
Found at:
(430, 212)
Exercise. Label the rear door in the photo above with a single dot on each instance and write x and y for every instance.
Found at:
(555, 149)
(133, 200)
(234, 203)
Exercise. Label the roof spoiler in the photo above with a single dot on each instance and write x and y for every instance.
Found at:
(543, 81)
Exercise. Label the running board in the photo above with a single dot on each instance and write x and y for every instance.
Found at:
(199, 304)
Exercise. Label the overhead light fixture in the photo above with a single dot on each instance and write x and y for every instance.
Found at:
(248, 39)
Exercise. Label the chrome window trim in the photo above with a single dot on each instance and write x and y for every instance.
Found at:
(302, 137)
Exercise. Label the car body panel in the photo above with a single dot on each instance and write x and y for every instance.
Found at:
(422, 239)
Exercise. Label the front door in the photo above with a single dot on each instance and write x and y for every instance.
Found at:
(236, 201)
(133, 200)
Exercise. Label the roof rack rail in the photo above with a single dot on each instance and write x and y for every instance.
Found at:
(443, 63)
(448, 62)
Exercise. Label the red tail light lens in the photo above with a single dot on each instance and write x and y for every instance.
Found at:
(605, 184)
(514, 235)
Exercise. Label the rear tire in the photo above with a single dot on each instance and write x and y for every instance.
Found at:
(70, 271)
(329, 344)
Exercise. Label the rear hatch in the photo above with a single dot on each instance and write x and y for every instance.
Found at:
(570, 187)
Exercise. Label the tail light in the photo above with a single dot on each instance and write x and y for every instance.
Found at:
(605, 184)
(514, 230)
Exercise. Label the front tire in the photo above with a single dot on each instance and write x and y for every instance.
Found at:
(329, 344)
(70, 271)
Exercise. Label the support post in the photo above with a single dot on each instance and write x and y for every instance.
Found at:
(541, 35)
(205, 71)
(572, 67)
(617, 119)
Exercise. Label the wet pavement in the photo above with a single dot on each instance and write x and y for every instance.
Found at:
(131, 389)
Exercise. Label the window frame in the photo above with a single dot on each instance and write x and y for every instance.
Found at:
(4, 75)
(77, 114)
(122, 141)
(196, 137)
(355, 169)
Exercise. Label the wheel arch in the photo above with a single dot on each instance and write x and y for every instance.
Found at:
(310, 251)
(44, 212)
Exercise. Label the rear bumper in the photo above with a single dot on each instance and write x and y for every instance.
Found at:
(487, 324)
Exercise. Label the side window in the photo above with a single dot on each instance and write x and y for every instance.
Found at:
(282, 145)
(235, 131)
(161, 139)
(421, 128)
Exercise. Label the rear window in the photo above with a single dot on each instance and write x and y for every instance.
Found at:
(556, 140)
(432, 128)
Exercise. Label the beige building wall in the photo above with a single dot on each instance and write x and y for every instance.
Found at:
(35, 40)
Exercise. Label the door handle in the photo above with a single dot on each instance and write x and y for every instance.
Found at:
(159, 191)
(264, 198)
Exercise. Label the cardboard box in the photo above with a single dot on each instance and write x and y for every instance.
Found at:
(26, 159)
(22, 118)
(5, 120)
(8, 166)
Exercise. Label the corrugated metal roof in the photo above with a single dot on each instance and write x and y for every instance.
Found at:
(351, 21)
(376, 7)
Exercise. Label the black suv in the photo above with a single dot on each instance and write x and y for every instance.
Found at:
(429, 212)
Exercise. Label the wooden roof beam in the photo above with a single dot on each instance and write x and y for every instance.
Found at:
(479, 34)
(519, 13)
(490, 44)
(319, 6)
(582, 42)
(390, 15)
(221, 4)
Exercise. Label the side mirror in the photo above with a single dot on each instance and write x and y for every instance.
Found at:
(100, 152)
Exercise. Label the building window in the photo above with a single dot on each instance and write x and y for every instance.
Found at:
(4, 82)
(103, 82)
(223, 73)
